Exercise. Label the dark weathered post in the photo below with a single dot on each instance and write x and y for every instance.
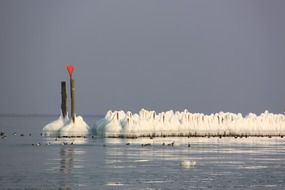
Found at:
(70, 69)
(63, 99)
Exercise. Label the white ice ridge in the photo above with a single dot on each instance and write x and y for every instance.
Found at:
(65, 127)
(170, 123)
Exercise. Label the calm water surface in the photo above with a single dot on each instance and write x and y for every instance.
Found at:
(96, 163)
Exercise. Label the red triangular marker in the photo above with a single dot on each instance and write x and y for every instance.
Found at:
(70, 69)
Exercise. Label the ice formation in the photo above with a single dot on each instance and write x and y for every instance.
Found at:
(63, 127)
(186, 164)
(52, 129)
(170, 123)
(78, 128)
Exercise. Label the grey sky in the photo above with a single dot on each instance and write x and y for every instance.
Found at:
(204, 55)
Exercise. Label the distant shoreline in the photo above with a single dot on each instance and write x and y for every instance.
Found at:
(42, 115)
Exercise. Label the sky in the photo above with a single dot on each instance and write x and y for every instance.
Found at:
(201, 55)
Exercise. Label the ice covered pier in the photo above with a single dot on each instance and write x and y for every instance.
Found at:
(151, 124)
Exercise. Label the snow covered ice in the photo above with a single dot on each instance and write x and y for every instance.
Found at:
(52, 129)
(170, 123)
(75, 129)
(64, 127)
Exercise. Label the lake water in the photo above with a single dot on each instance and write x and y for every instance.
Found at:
(97, 163)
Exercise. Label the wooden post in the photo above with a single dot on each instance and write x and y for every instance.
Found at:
(72, 93)
(63, 99)
(70, 69)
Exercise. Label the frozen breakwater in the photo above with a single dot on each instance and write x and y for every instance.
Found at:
(64, 127)
(151, 124)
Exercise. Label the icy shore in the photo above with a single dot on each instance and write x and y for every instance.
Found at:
(170, 123)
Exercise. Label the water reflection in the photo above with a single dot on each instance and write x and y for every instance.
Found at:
(126, 164)
(66, 166)
(146, 152)
(69, 162)
(198, 140)
(65, 141)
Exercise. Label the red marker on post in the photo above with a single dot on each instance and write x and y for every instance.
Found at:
(70, 69)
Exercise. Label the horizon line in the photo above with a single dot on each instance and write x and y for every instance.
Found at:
(43, 114)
